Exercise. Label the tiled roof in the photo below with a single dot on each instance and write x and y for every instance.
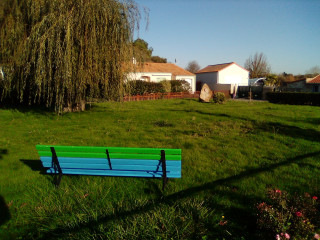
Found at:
(294, 81)
(164, 68)
(315, 80)
(217, 67)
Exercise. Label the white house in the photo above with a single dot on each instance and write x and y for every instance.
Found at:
(156, 72)
(226, 76)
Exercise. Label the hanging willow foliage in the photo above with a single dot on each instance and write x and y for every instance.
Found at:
(63, 52)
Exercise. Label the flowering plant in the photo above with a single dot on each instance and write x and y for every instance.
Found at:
(289, 217)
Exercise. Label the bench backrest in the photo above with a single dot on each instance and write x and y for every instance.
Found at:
(111, 161)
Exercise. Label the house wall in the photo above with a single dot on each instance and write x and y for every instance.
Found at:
(300, 84)
(209, 78)
(154, 77)
(234, 75)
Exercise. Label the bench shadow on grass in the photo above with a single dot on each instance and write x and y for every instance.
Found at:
(242, 217)
(4, 211)
(34, 164)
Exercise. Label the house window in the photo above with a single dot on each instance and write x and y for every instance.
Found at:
(159, 79)
(315, 88)
(145, 78)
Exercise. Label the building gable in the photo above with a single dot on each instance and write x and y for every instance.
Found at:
(218, 68)
(315, 80)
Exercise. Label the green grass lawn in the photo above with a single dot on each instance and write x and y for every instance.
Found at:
(231, 154)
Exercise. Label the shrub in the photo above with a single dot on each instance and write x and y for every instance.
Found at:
(140, 87)
(288, 217)
(166, 85)
(180, 86)
(294, 98)
(219, 97)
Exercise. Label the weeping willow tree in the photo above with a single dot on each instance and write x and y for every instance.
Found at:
(63, 52)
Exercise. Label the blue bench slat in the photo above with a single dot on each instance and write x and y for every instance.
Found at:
(176, 174)
(105, 166)
(113, 161)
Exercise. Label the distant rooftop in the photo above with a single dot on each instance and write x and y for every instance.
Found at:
(217, 67)
(315, 79)
(163, 68)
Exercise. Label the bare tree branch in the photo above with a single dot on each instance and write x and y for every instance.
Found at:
(193, 67)
(257, 65)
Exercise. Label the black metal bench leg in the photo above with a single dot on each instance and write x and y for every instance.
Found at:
(57, 179)
(57, 168)
(164, 169)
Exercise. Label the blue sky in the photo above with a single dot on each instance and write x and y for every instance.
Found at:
(213, 32)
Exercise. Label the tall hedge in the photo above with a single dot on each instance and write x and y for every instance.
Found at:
(62, 52)
(139, 87)
(294, 98)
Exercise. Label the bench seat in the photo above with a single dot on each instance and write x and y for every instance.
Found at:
(111, 161)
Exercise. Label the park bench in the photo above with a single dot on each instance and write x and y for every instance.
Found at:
(111, 161)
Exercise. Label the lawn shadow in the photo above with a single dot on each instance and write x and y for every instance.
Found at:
(315, 121)
(236, 213)
(3, 152)
(272, 127)
(4, 211)
(153, 189)
(284, 129)
(34, 109)
(238, 221)
(203, 113)
(290, 131)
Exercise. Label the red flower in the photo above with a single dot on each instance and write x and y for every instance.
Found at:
(278, 191)
(298, 214)
(222, 223)
(314, 197)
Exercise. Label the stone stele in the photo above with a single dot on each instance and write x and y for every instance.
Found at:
(205, 94)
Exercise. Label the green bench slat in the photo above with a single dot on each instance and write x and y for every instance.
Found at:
(112, 155)
(110, 149)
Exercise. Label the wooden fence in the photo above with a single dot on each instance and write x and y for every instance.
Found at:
(155, 96)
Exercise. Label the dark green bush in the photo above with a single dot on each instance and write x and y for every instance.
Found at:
(219, 97)
(140, 87)
(294, 98)
(180, 86)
